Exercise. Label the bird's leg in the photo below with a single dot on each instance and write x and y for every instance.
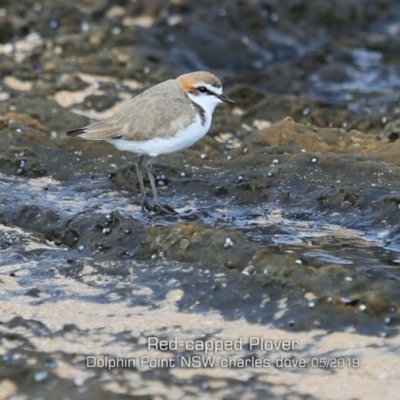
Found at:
(145, 204)
(157, 205)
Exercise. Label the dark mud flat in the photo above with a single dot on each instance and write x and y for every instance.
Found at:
(286, 249)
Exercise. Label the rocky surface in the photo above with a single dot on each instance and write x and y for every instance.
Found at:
(289, 210)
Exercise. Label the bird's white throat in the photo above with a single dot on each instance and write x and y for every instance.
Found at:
(206, 102)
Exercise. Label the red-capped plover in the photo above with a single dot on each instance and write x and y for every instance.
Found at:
(165, 118)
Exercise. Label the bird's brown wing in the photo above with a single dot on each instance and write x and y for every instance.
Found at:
(101, 130)
(143, 117)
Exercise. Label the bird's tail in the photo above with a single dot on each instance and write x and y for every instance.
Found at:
(76, 132)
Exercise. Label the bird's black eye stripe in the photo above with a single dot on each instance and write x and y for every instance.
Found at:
(203, 89)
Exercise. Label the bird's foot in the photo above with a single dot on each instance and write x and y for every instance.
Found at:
(160, 209)
(146, 206)
(164, 209)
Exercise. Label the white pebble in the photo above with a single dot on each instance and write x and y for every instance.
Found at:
(40, 376)
(239, 179)
(222, 12)
(116, 30)
(229, 243)
(274, 17)
(79, 380)
(85, 26)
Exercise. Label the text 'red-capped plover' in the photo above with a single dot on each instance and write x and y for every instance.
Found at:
(165, 118)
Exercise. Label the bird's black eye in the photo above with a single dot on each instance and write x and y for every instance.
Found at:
(202, 89)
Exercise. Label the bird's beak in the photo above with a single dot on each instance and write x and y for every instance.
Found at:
(226, 99)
